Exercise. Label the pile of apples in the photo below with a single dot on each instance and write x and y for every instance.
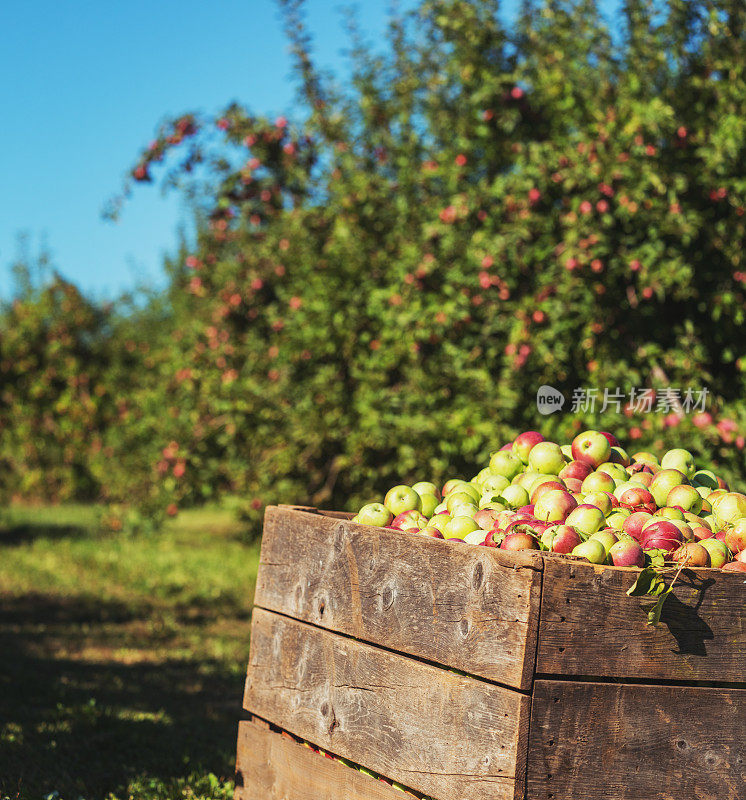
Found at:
(588, 499)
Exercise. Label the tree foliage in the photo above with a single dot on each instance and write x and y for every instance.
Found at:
(381, 285)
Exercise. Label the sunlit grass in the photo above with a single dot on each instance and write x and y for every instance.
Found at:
(123, 656)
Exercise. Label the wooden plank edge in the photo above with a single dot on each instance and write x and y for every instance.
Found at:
(512, 559)
(529, 671)
(257, 737)
(522, 761)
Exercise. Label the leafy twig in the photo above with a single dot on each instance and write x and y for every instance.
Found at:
(650, 583)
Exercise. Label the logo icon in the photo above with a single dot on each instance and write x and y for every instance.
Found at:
(549, 400)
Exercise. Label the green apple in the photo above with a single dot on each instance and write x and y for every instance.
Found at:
(687, 498)
(669, 513)
(586, 519)
(451, 484)
(663, 482)
(619, 456)
(494, 483)
(567, 451)
(460, 498)
(729, 508)
(402, 498)
(643, 457)
(459, 526)
(426, 487)
(514, 496)
(617, 471)
(616, 518)
(607, 539)
(679, 459)
(592, 550)
(480, 478)
(719, 553)
(546, 458)
(439, 521)
(597, 482)
(601, 500)
(429, 504)
(525, 479)
(476, 536)
(374, 514)
(505, 463)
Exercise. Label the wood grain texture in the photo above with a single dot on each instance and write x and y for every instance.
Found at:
(270, 766)
(588, 626)
(445, 735)
(472, 608)
(601, 741)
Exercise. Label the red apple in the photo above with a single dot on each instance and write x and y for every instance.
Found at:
(662, 535)
(642, 478)
(611, 439)
(637, 499)
(692, 554)
(519, 540)
(634, 523)
(627, 553)
(700, 533)
(576, 469)
(524, 443)
(554, 506)
(545, 487)
(640, 467)
(408, 519)
(486, 518)
(564, 539)
(591, 447)
(735, 537)
(734, 566)
(573, 485)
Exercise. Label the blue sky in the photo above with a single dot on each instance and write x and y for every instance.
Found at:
(85, 84)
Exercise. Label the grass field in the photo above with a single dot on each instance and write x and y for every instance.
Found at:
(121, 658)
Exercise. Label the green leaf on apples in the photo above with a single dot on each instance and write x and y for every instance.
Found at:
(654, 614)
(649, 583)
(644, 584)
(655, 558)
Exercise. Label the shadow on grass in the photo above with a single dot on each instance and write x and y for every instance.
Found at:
(85, 721)
(16, 534)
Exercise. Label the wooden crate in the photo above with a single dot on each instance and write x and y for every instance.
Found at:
(468, 673)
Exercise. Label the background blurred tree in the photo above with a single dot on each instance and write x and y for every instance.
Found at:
(380, 287)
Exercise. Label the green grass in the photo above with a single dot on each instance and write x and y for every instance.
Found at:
(122, 658)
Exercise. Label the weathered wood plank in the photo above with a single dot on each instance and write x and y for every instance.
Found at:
(599, 741)
(472, 608)
(270, 766)
(446, 735)
(588, 626)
